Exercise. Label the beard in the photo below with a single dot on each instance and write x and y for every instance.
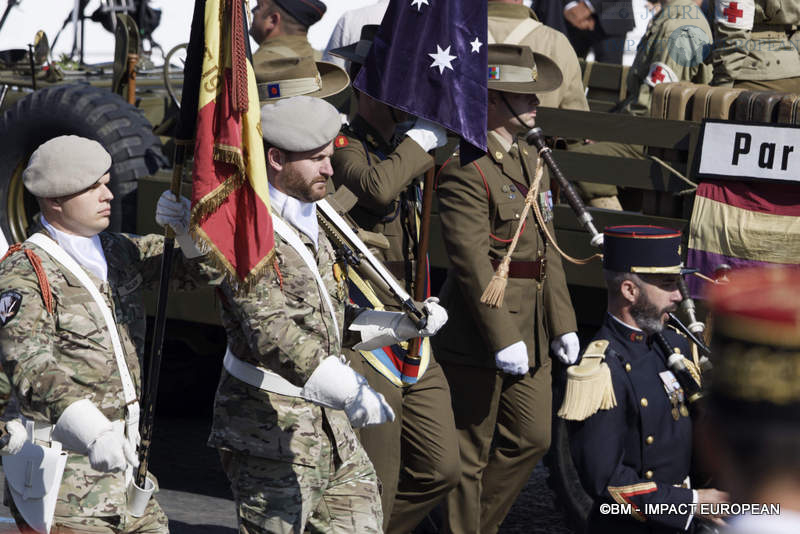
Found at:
(300, 187)
(647, 315)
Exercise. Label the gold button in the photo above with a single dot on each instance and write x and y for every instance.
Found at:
(524, 151)
(644, 402)
(516, 215)
(649, 440)
(648, 475)
(628, 367)
(498, 155)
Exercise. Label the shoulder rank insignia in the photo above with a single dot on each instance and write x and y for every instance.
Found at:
(589, 386)
(10, 302)
(341, 141)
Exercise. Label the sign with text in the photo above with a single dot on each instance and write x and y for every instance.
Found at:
(744, 150)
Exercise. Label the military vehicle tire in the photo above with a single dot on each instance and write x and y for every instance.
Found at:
(564, 481)
(77, 109)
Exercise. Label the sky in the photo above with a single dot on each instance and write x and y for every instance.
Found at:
(176, 16)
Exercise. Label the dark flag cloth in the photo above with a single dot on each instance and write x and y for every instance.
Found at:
(429, 59)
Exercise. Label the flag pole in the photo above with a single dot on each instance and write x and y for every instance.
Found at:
(421, 275)
(150, 389)
(184, 140)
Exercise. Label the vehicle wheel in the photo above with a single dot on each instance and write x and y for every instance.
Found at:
(563, 478)
(83, 110)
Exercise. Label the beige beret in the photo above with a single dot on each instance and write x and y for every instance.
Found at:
(65, 165)
(299, 123)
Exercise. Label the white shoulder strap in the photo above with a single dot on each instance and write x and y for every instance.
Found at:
(128, 389)
(290, 236)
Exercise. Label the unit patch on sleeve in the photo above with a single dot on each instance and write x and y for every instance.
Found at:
(10, 301)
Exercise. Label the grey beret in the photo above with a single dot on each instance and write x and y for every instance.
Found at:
(299, 123)
(65, 165)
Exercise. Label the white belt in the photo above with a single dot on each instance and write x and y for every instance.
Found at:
(259, 377)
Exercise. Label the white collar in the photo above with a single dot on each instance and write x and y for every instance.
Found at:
(623, 323)
(87, 251)
(301, 215)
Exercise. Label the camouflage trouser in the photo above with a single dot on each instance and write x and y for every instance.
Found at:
(280, 497)
(154, 521)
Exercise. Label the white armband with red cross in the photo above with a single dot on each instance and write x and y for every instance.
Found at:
(660, 73)
(737, 14)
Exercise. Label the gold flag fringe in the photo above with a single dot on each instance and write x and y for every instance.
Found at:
(228, 273)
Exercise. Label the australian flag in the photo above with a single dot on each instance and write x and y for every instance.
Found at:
(429, 58)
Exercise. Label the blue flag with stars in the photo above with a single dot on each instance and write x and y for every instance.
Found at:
(429, 58)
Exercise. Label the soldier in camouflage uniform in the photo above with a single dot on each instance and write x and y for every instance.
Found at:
(382, 176)
(286, 401)
(757, 45)
(55, 345)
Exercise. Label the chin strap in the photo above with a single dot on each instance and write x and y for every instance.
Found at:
(513, 112)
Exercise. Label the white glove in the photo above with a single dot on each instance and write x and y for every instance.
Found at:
(111, 452)
(17, 436)
(173, 212)
(176, 214)
(84, 429)
(566, 347)
(513, 359)
(427, 134)
(382, 328)
(336, 385)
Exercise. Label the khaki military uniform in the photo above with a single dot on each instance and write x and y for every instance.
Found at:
(503, 421)
(292, 464)
(517, 24)
(673, 49)
(757, 44)
(55, 359)
(420, 446)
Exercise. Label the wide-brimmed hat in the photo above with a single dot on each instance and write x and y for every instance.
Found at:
(285, 67)
(357, 52)
(518, 69)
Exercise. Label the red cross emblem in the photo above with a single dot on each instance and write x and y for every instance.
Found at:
(658, 75)
(733, 12)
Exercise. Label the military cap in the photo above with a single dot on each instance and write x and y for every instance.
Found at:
(299, 123)
(306, 12)
(643, 250)
(285, 67)
(357, 52)
(64, 166)
(518, 69)
(756, 343)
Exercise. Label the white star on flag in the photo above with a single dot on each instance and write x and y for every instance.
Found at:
(442, 59)
(419, 3)
(476, 45)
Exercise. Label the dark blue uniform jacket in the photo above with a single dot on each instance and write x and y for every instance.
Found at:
(635, 452)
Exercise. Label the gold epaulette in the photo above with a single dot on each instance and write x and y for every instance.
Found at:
(589, 386)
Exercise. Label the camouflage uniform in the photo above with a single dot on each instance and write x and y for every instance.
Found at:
(56, 359)
(292, 464)
(673, 49)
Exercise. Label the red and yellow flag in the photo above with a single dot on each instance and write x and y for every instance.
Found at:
(230, 196)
